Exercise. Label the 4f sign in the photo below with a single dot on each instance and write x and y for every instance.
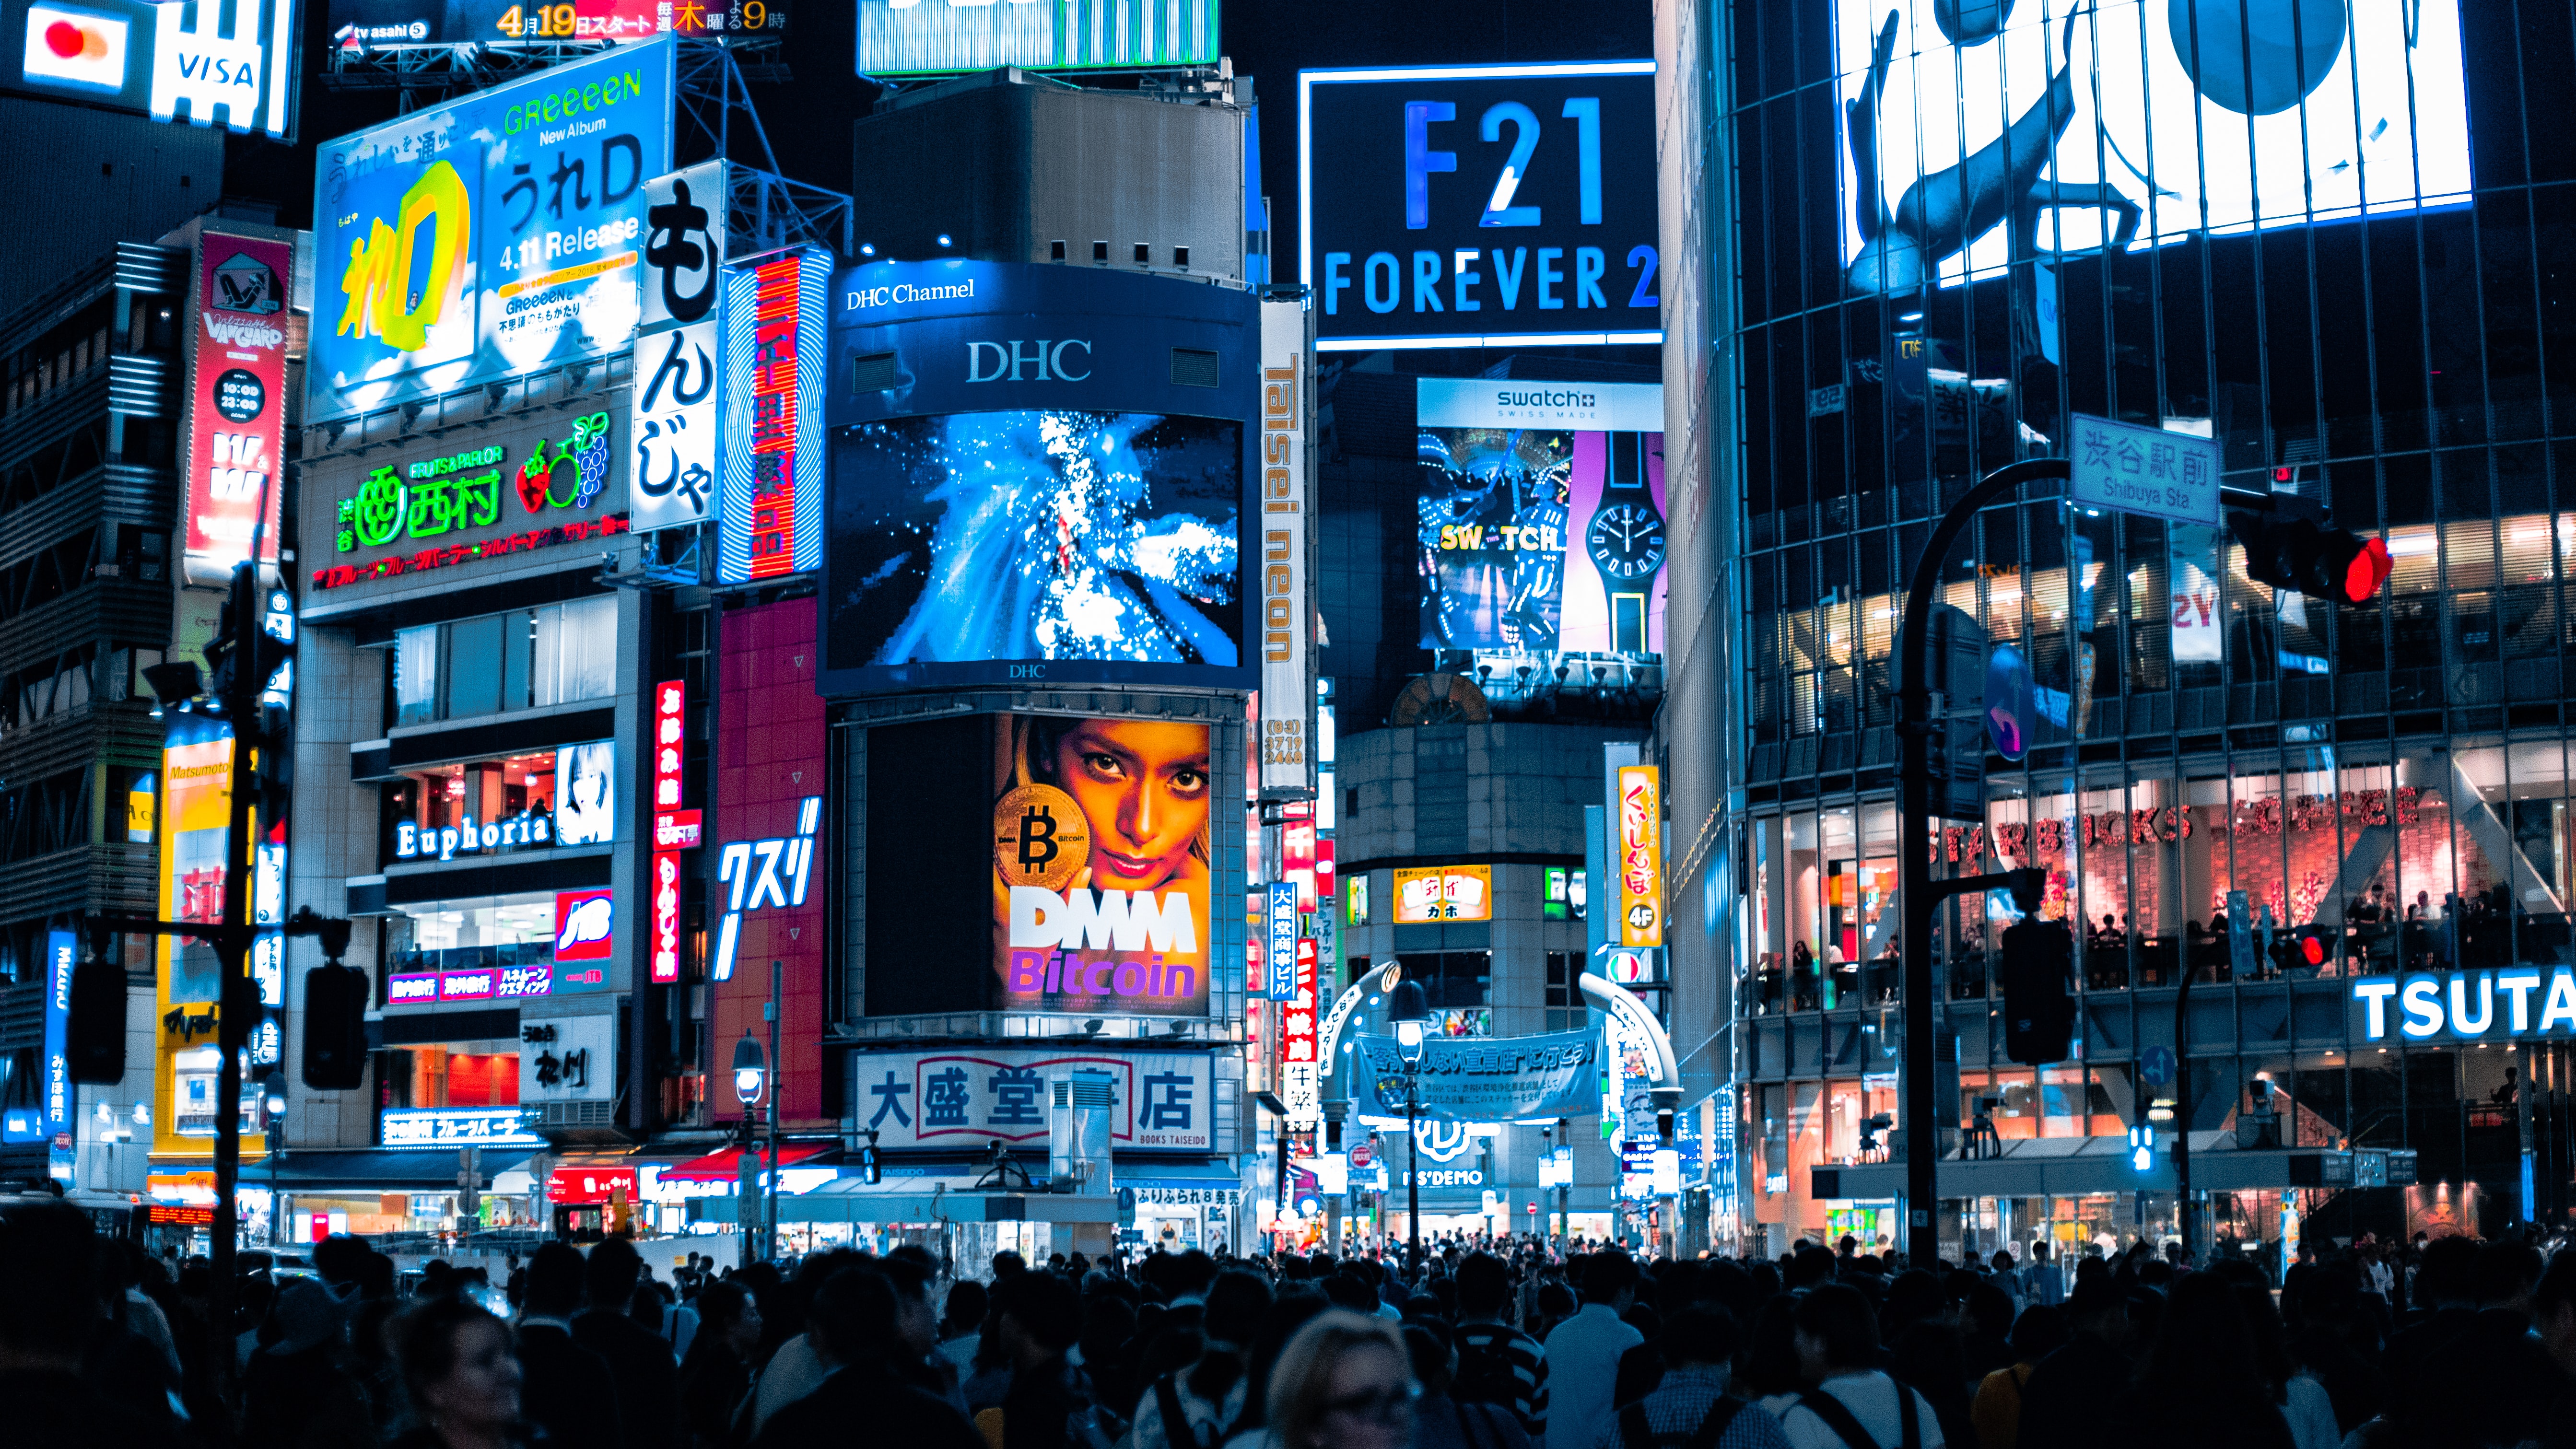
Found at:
(1641, 857)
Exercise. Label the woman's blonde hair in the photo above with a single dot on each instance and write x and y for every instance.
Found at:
(1301, 1383)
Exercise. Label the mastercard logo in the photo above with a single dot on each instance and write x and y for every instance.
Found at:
(77, 48)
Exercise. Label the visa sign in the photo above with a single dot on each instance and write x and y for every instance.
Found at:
(216, 61)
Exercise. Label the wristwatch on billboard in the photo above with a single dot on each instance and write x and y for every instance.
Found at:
(1626, 541)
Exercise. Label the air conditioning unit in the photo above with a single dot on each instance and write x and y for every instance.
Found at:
(1078, 1133)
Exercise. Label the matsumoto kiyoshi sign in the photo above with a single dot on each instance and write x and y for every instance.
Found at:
(2507, 1001)
(1485, 1079)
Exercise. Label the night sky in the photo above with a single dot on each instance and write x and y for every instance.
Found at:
(808, 120)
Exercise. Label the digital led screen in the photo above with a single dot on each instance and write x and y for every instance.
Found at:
(1026, 545)
(1541, 523)
(935, 37)
(1480, 206)
(2128, 124)
(384, 24)
(1100, 865)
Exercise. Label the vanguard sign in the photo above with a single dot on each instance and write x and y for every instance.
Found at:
(1485, 1079)
(2464, 1005)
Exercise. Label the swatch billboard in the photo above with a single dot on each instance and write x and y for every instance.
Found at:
(1541, 519)
(491, 236)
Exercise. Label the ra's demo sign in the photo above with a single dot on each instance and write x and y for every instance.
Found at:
(2134, 469)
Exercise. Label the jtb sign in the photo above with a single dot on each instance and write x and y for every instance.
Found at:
(2509, 1001)
(1480, 205)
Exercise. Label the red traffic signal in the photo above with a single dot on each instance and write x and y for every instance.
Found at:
(2288, 548)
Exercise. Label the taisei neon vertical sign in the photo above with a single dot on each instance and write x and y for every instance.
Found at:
(775, 320)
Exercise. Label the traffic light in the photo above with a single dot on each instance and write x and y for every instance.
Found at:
(95, 1035)
(2311, 946)
(2142, 1148)
(254, 642)
(2290, 546)
(870, 1171)
(2039, 1015)
(335, 1008)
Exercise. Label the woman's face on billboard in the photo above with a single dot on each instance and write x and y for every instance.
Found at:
(1143, 785)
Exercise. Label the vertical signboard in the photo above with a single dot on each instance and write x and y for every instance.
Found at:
(1300, 1086)
(1280, 931)
(1640, 846)
(765, 901)
(488, 237)
(678, 393)
(236, 424)
(671, 833)
(62, 952)
(770, 521)
(1287, 730)
(196, 805)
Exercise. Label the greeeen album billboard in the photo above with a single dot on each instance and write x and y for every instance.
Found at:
(1101, 864)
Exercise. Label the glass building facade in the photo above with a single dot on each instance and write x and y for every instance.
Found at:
(2337, 247)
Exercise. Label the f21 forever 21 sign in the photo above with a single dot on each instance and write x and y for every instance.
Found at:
(1480, 206)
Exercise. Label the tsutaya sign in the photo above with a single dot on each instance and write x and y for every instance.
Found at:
(2508, 1001)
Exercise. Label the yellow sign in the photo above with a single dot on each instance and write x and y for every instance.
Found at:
(1640, 848)
(196, 802)
(1444, 893)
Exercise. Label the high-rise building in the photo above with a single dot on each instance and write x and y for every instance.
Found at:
(1914, 242)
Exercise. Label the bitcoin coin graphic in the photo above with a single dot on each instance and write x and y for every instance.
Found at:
(1040, 838)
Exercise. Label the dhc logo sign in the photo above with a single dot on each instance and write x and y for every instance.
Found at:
(2510, 1001)
(1019, 361)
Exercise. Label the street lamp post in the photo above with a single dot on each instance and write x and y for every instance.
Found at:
(1409, 1009)
(273, 1107)
(750, 1079)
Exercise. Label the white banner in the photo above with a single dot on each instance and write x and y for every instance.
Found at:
(1476, 402)
(1287, 610)
(677, 426)
(1159, 1101)
(677, 417)
(2199, 627)
(567, 1058)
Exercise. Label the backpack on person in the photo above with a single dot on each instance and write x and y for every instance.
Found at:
(1838, 1417)
(1485, 1374)
(1636, 1433)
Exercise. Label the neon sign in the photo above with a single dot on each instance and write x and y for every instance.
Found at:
(2513, 1001)
(784, 867)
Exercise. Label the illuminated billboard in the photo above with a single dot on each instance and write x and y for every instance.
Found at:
(2125, 124)
(938, 37)
(1428, 895)
(228, 62)
(678, 407)
(236, 421)
(968, 545)
(1040, 473)
(1541, 521)
(358, 25)
(487, 237)
(1479, 206)
(378, 522)
(1100, 865)
(769, 515)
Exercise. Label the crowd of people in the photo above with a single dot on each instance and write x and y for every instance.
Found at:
(1508, 1348)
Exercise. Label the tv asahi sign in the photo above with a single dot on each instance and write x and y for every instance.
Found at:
(2502, 1003)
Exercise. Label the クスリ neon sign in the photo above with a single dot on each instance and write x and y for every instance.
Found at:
(764, 873)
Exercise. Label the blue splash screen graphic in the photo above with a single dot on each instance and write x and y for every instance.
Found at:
(1035, 537)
